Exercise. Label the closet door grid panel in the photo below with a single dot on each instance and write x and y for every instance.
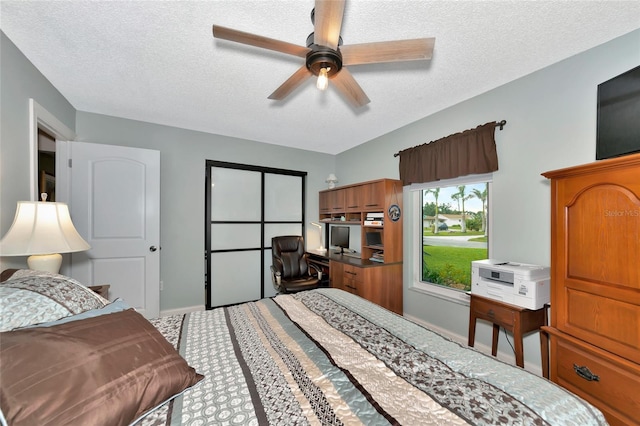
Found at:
(245, 207)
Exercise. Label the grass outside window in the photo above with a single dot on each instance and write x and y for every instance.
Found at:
(454, 233)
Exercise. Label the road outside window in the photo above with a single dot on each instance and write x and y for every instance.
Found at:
(454, 233)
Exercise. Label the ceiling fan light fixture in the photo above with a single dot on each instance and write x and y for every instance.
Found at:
(323, 80)
(322, 57)
(324, 63)
(324, 53)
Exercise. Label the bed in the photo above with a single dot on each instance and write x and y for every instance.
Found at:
(316, 357)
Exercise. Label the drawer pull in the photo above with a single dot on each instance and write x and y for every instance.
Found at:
(585, 373)
(491, 314)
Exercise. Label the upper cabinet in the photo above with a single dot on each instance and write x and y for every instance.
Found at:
(337, 201)
(332, 202)
(352, 196)
(376, 206)
(373, 195)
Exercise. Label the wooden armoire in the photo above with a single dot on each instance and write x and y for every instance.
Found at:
(595, 284)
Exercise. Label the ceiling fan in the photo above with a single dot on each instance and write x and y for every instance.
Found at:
(326, 57)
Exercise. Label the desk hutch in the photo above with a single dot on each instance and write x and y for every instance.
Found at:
(381, 281)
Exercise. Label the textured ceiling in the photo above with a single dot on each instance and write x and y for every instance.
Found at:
(157, 61)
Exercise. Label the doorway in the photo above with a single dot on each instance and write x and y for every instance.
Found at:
(41, 120)
(46, 165)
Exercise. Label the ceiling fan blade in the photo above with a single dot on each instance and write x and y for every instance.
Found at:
(350, 88)
(327, 22)
(259, 41)
(298, 77)
(388, 51)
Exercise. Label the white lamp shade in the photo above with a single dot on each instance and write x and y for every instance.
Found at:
(332, 179)
(41, 228)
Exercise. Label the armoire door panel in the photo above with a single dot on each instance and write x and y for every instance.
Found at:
(596, 249)
(615, 323)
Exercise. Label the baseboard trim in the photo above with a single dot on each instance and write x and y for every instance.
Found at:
(181, 311)
(508, 358)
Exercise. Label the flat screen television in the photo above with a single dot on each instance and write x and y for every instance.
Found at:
(618, 131)
(340, 237)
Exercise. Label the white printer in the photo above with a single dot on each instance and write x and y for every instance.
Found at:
(518, 284)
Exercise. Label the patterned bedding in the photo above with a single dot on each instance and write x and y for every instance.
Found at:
(328, 357)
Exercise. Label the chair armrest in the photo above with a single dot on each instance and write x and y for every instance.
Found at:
(275, 278)
(317, 268)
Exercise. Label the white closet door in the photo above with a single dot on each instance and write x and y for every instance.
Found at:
(235, 203)
(284, 215)
(248, 206)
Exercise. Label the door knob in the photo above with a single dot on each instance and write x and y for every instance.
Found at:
(153, 248)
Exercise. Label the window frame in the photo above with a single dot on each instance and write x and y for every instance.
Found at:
(415, 192)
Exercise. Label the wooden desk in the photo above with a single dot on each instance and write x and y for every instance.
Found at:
(380, 283)
(516, 319)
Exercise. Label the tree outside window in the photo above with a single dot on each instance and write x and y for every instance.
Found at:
(454, 233)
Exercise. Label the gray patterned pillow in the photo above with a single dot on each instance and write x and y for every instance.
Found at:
(34, 297)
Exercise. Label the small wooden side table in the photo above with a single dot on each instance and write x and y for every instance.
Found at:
(516, 319)
(102, 290)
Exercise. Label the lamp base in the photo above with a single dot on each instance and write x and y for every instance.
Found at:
(45, 262)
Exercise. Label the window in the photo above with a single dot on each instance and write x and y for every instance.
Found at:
(453, 229)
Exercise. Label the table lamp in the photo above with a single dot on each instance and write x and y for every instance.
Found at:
(321, 249)
(42, 230)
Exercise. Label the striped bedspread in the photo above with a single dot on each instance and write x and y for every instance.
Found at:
(327, 357)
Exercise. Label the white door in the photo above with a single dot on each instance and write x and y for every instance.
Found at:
(114, 200)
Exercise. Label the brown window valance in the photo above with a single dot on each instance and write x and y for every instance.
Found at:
(470, 152)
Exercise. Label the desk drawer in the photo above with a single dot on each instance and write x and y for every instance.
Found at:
(615, 391)
(492, 311)
(353, 279)
(353, 274)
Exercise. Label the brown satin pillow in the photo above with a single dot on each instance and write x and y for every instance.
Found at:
(106, 370)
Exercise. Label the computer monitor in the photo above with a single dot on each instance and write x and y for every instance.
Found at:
(340, 237)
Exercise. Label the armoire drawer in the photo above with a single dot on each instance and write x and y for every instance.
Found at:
(613, 388)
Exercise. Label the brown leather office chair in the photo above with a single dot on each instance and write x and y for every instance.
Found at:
(290, 270)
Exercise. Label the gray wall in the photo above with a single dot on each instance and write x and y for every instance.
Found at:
(551, 123)
(19, 81)
(182, 152)
(182, 170)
